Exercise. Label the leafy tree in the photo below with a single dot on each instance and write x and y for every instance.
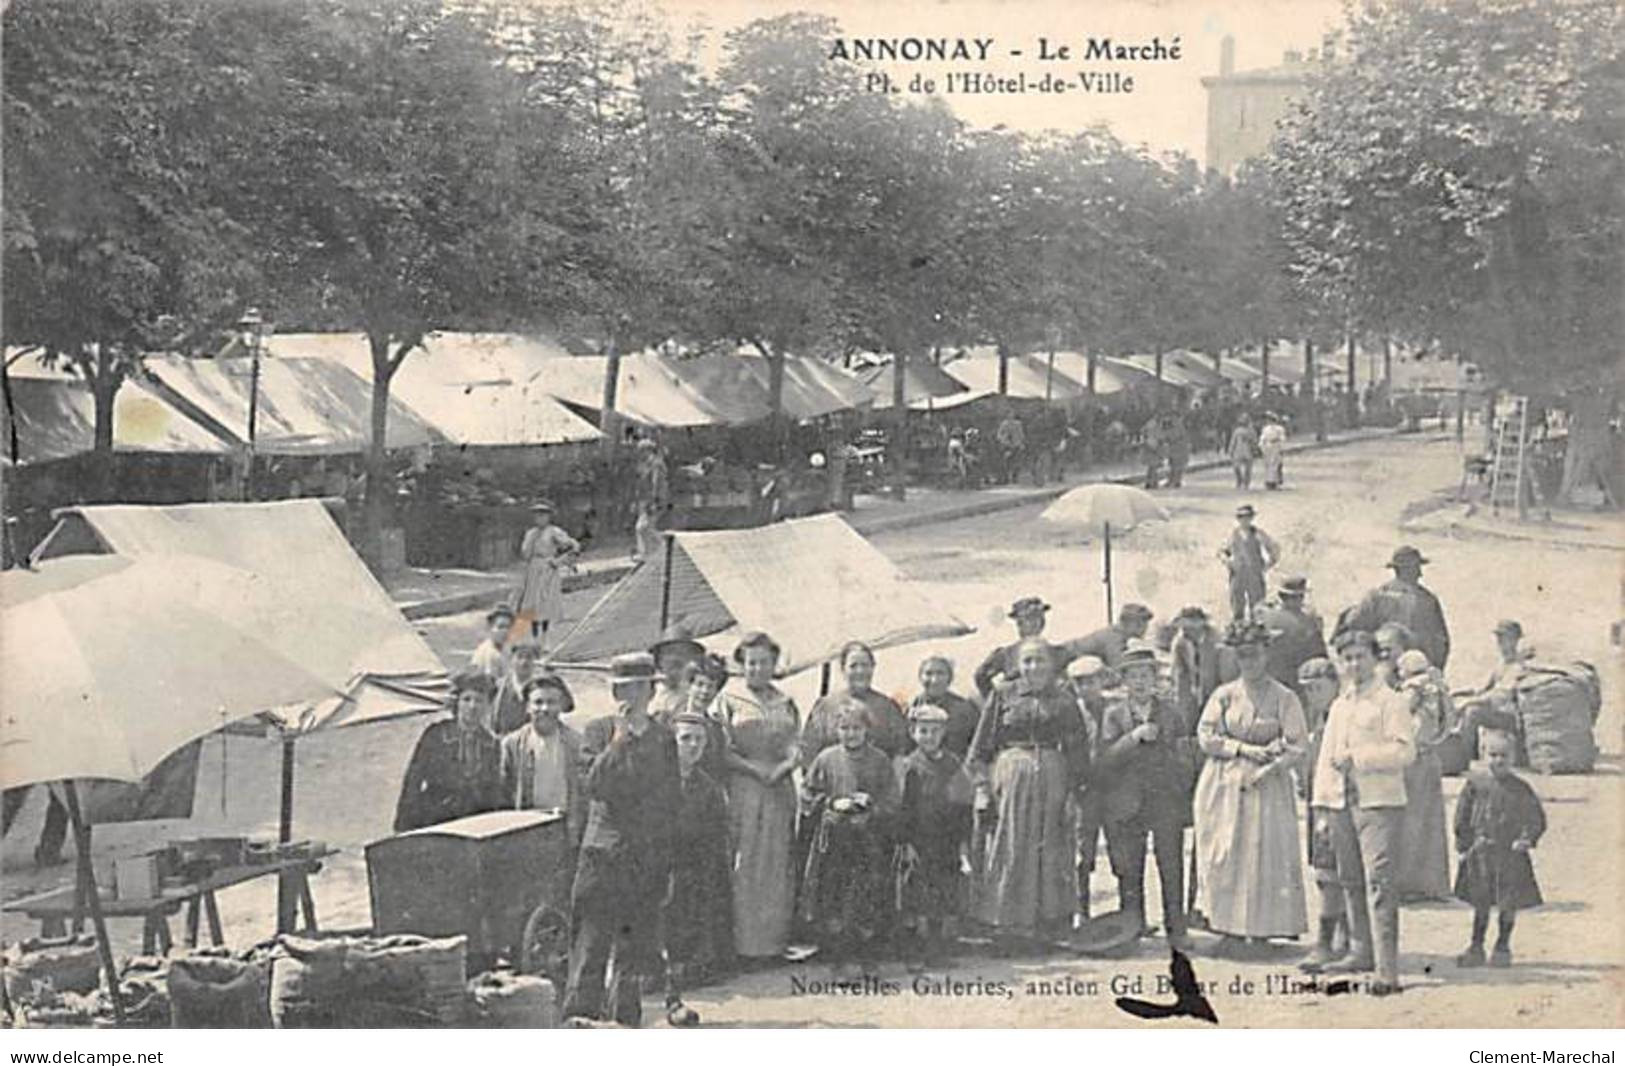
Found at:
(386, 156)
(1459, 174)
(115, 113)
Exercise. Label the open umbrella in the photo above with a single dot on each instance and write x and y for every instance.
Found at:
(110, 666)
(1102, 508)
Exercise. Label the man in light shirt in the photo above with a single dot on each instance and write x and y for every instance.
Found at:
(1360, 782)
(541, 763)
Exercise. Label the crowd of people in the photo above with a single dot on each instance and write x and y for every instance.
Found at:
(715, 826)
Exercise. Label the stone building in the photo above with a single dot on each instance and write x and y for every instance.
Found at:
(1244, 106)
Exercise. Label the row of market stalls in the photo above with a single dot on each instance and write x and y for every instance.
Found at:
(479, 425)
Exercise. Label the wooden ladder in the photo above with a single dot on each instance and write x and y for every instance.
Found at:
(1512, 483)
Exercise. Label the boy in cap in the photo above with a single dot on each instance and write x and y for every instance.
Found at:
(1146, 768)
(623, 871)
(541, 763)
(698, 919)
(491, 654)
(851, 792)
(933, 826)
(1248, 554)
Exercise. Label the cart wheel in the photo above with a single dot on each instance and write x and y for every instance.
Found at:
(544, 949)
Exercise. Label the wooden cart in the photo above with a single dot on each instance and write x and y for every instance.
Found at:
(502, 879)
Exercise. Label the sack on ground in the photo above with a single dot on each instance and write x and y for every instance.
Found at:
(514, 1001)
(216, 993)
(1558, 704)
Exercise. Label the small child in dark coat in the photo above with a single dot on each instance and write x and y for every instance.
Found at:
(934, 824)
(1498, 820)
(851, 790)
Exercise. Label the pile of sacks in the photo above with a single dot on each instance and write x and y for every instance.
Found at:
(58, 983)
(398, 981)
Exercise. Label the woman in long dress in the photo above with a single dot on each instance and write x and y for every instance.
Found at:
(761, 724)
(1253, 733)
(1272, 450)
(1424, 850)
(1033, 740)
(546, 551)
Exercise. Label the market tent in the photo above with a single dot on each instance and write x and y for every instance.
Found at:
(474, 389)
(1286, 364)
(646, 391)
(812, 387)
(813, 583)
(341, 622)
(722, 383)
(1143, 366)
(55, 418)
(305, 406)
(1029, 377)
(1112, 376)
(926, 387)
(1241, 373)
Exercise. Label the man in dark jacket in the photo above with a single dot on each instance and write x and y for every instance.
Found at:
(1297, 633)
(1406, 601)
(625, 862)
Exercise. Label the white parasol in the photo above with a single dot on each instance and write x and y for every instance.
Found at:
(1105, 508)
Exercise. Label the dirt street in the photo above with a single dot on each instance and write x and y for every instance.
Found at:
(1337, 521)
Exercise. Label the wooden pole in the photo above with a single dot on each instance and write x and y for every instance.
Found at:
(1108, 528)
(87, 878)
(665, 584)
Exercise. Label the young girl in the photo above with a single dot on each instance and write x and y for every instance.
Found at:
(1498, 820)
(851, 792)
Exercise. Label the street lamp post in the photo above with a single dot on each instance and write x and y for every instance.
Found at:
(252, 330)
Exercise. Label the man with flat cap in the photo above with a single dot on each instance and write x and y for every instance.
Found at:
(623, 870)
(1109, 643)
(1403, 600)
(1248, 554)
(1296, 632)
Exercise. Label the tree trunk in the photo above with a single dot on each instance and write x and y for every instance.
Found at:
(1309, 367)
(899, 478)
(1591, 457)
(1388, 363)
(1353, 400)
(1094, 360)
(1159, 364)
(104, 386)
(373, 513)
(1264, 366)
(608, 418)
(1004, 369)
